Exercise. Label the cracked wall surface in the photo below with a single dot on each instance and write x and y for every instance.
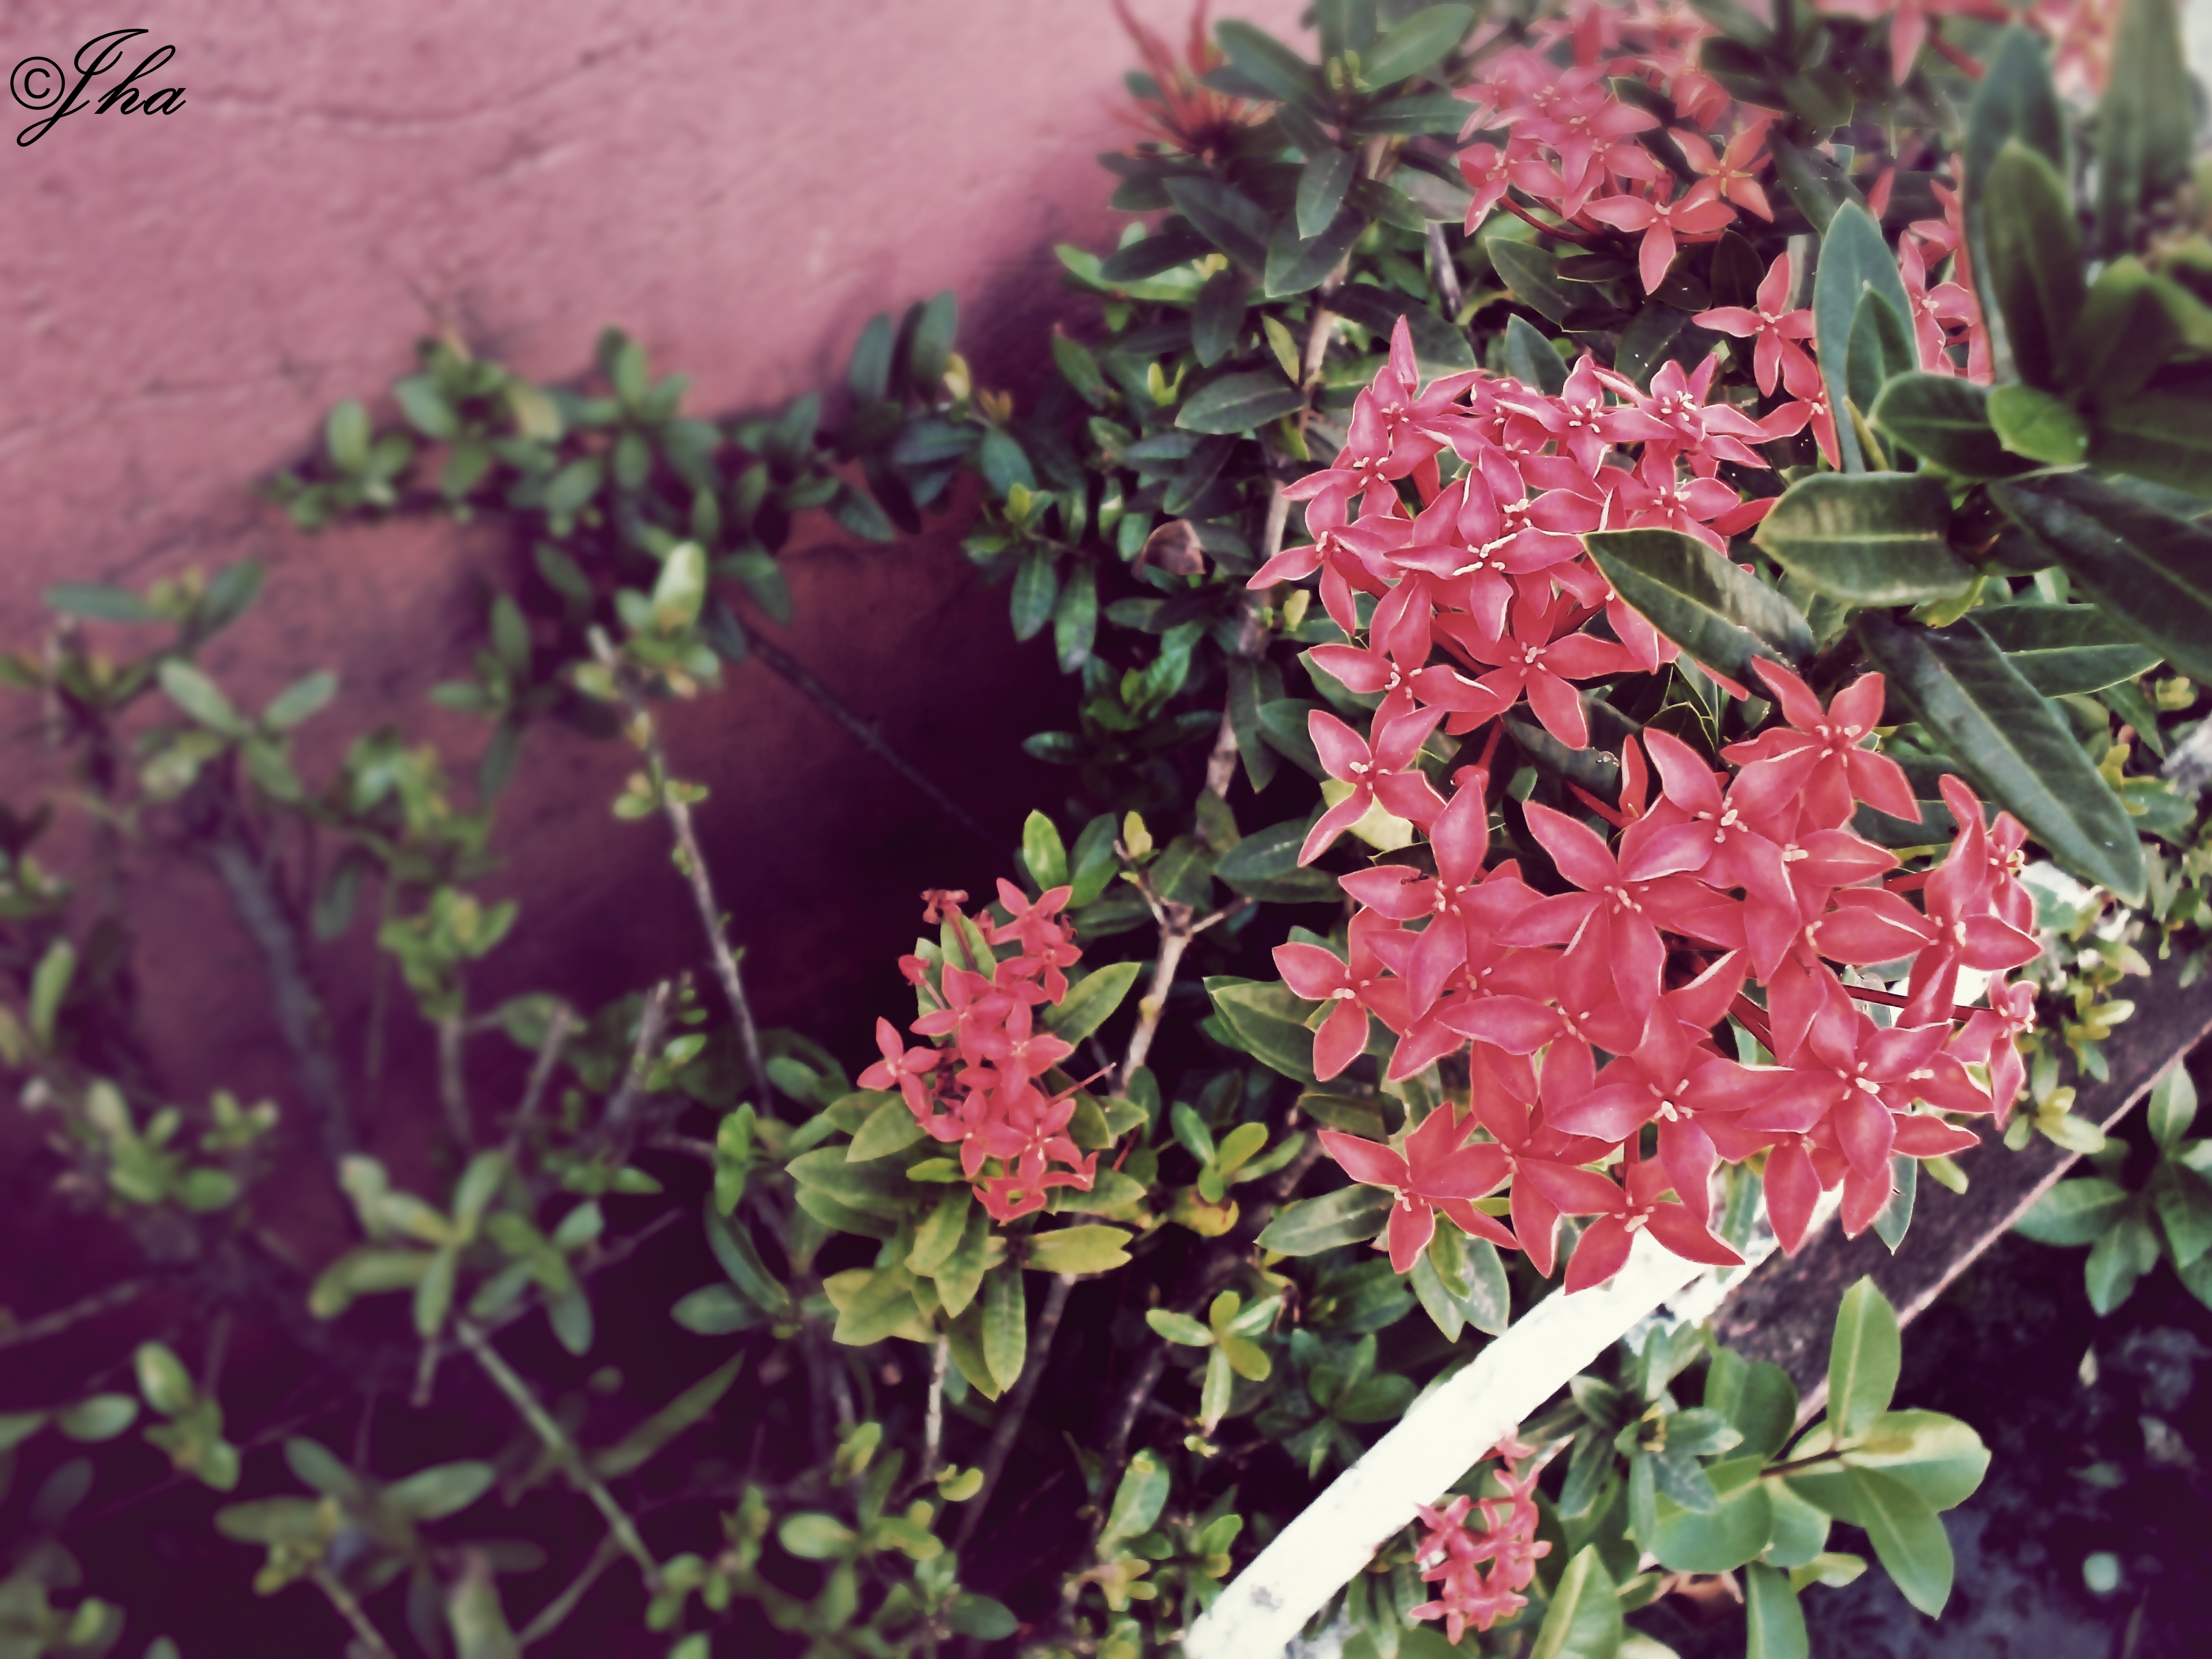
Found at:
(740, 186)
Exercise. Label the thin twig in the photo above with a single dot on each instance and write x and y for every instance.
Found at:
(690, 1146)
(619, 1525)
(652, 1023)
(933, 1420)
(1176, 932)
(1447, 273)
(558, 1026)
(646, 735)
(453, 1082)
(782, 663)
(548, 1617)
(364, 1631)
(1017, 1404)
(53, 1324)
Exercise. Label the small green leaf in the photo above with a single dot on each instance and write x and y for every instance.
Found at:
(681, 587)
(716, 1310)
(200, 698)
(100, 603)
(345, 437)
(163, 1380)
(1533, 276)
(1774, 1621)
(1855, 260)
(1584, 1621)
(1043, 853)
(1864, 1356)
(2172, 1107)
(1239, 403)
(2146, 121)
(1268, 1021)
(1530, 360)
(1322, 184)
(1880, 538)
(1908, 1538)
(445, 1489)
(890, 1128)
(301, 700)
(1091, 1001)
(1006, 1324)
(2063, 649)
(2034, 254)
(1350, 1215)
(1137, 1500)
(1217, 319)
(1085, 1249)
(663, 1425)
(100, 1417)
(1414, 44)
(49, 983)
(1179, 1328)
(814, 1537)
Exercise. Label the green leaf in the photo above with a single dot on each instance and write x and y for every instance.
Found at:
(2183, 1201)
(1075, 618)
(1941, 1458)
(1944, 420)
(1296, 263)
(477, 1620)
(980, 1617)
(1756, 1396)
(1774, 1621)
(1264, 866)
(1137, 1500)
(1855, 260)
(1322, 184)
(2010, 745)
(163, 1379)
(1584, 1621)
(812, 1537)
(1268, 1021)
(1091, 1000)
(716, 1310)
(2034, 256)
(1218, 318)
(444, 1489)
(1880, 346)
(2165, 437)
(100, 602)
(1179, 1328)
(433, 1291)
(1227, 217)
(733, 1249)
(2037, 425)
(1412, 46)
(2146, 123)
(1875, 538)
(663, 1425)
(1085, 1249)
(1266, 61)
(301, 700)
(2114, 1264)
(1350, 1215)
(2063, 649)
(891, 1128)
(681, 587)
(1043, 854)
(1530, 360)
(1215, 1392)
(1735, 1533)
(930, 331)
(1815, 184)
(1908, 1538)
(100, 1417)
(1719, 614)
(1863, 1354)
(2152, 571)
(1533, 276)
(1006, 1324)
(200, 698)
(882, 1303)
(1239, 403)
(345, 437)
(49, 983)
(2172, 1107)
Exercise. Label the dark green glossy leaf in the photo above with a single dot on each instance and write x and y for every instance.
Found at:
(1238, 403)
(1227, 217)
(1864, 1356)
(1774, 1622)
(1264, 866)
(1410, 46)
(1855, 261)
(1532, 275)
(1908, 1537)
(1530, 360)
(1322, 184)
(2034, 253)
(1880, 346)
(1721, 614)
(1268, 1021)
(1295, 263)
(1438, 347)
(2151, 571)
(2076, 1211)
(1944, 420)
(1583, 1620)
(1876, 538)
(1735, 1533)
(1036, 591)
(1269, 63)
(2011, 744)
(1814, 183)
(2145, 124)
(2163, 436)
(2063, 649)
(1218, 318)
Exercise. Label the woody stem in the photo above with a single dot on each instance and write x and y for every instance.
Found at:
(646, 735)
(1017, 1404)
(1521, 213)
(1754, 1020)
(1891, 1000)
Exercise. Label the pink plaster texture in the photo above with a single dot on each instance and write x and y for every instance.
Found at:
(740, 186)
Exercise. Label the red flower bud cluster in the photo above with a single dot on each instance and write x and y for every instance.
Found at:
(1453, 1555)
(978, 1087)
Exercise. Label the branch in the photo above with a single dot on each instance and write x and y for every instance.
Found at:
(557, 1028)
(651, 1021)
(933, 1422)
(647, 736)
(1017, 1405)
(1176, 932)
(364, 1631)
(620, 1526)
(453, 1082)
(550, 1615)
(788, 668)
(53, 1324)
(1447, 272)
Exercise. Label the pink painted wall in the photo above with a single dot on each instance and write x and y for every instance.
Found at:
(182, 296)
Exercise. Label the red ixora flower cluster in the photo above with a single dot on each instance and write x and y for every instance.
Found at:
(1571, 140)
(1718, 880)
(1452, 1555)
(980, 1086)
